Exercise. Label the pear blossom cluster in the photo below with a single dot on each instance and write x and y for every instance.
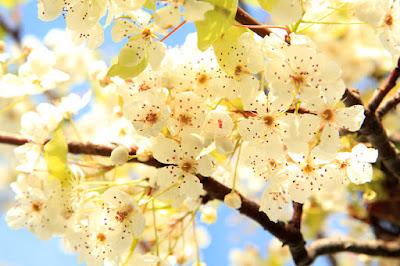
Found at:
(384, 16)
(250, 109)
(266, 111)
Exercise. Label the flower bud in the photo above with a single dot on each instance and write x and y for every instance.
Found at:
(208, 215)
(233, 200)
(143, 153)
(119, 155)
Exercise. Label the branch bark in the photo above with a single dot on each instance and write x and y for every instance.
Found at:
(372, 128)
(373, 247)
(388, 105)
(244, 18)
(382, 92)
(289, 233)
(14, 32)
(286, 233)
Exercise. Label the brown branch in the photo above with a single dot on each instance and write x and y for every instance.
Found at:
(244, 18)
(286, 233)
(14, 32)
(381, 92)
(388, 105)
(289, 233)
(372, 247)
(78, 147)
(372, 128)
(296, 219)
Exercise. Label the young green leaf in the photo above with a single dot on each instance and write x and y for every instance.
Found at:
(267, 5)
(126, 72)
(55, 155)
(217, 21)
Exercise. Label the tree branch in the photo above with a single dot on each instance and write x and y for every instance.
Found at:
(296, 219)
(14, 32)
(289, 233)
(372, 128)
(215, 190)
(381, 92)
(244, 18)
(388, 105)
(372, 247)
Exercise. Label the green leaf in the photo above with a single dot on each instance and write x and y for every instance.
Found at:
(267, 5)
(220, 158)
(150, 5)
(216, 22)
(55, 155)
(11, 3)
(127, 72)
(223, 45)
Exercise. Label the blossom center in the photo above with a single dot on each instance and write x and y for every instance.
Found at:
(308, 169)
(203, 79)
(152, 118)
(36, 206)
(327, 115)
(187, 166)
(268, 120)
(185, 119)
(388, 19)
(238, 70)
(144, 87)
(299, 78)
(344, 165)
(123, 214)
(101, 237)
(146, 33)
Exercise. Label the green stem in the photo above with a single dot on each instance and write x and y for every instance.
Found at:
(196, 243)
(333, 23)
(9, 107)
(155, 229)
(131, 249)
(160, 193)
(321, 18)
(236, 167)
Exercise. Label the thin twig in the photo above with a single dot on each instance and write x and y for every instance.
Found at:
(388, 105)
(372, 128)
(372, 247)
(215, 190)
(381, 92)
(244, 18)
(296, 219)
(284, 232)
(289, 234)
(14, 32)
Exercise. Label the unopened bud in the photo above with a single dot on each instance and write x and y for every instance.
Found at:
(119, 155)
(3, 46)
(208, 215)
(233, 200)
(143, 154)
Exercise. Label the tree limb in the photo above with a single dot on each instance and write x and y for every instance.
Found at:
(388, 105)
(215, 190)
(14, 32)
(289, 233)
(372, 128)
(244, 18)
(381, 92)
(372, 247)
